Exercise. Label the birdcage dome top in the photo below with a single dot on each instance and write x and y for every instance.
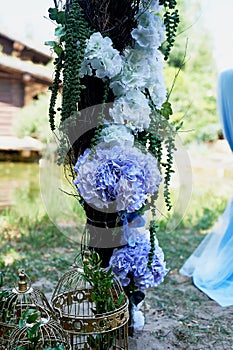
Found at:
(20, 298)
(73, 303)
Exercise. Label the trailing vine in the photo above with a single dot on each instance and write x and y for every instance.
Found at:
(161, 132)
(170, 146)
(153, 231)
(77, 31)
(171, 22)
(58, 63)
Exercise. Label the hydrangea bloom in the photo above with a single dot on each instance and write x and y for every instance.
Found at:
(133, 235)
(156, 83)
(138, 68)
(140, 71)
(132, 262)
(117, 133)
(135, 73)
(101, 57)
(116, 178)
(132, 109)
(150, 31)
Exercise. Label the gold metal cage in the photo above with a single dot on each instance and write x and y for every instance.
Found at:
(50, 334)
(86, 330)
(14, 302)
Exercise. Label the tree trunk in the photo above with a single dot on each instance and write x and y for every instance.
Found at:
(116, 19)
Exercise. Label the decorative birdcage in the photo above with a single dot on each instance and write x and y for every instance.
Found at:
(13, 304)
(49, 335)
(86, 329)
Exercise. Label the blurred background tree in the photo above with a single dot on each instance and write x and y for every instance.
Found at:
(194, 94)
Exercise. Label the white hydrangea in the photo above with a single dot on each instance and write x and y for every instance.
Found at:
(150, 32)
(158, 92)
(140, 67)
(132, 109)
(117, 134)
(135, 73)
(156, 83)
(101, 58)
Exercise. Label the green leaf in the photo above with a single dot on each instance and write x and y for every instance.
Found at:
(121, 299)
(166, 109)
(1, 279)
(58, 16)
(109, 273)
(58, 50)
(32, 332)
(111, 305)
(53, 13)
(91, 341)
(61, 17)
(60, 31)
(27, 312)
(33, 317)
(50, 43)
(4, 293)
(93, 296)
(22, 323)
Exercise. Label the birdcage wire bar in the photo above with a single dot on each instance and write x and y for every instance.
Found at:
(75, 310)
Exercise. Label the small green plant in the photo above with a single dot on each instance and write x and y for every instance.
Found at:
(101, 281)
(31, 319)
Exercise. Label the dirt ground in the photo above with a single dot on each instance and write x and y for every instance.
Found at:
(192, 321)
(207, 327)
(179, 316)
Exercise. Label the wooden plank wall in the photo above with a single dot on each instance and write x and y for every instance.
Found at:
(11, 99)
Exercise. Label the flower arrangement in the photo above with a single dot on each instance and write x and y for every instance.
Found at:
(112, 53)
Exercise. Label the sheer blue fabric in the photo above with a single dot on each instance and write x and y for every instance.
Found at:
(211, 264)
(225, 104)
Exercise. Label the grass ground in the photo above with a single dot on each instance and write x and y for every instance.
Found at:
(178, 316)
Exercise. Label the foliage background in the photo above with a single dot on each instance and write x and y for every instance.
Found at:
(194, 94)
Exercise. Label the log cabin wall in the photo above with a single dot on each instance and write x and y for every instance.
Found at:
(23, 77)
(25, 51)
(11, 99)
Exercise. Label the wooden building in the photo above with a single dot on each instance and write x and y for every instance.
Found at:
(23, 75)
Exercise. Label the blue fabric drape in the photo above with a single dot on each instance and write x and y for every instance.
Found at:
(211, 264)
(225, 104)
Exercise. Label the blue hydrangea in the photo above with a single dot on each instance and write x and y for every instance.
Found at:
(130, 264)
(117, 178)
